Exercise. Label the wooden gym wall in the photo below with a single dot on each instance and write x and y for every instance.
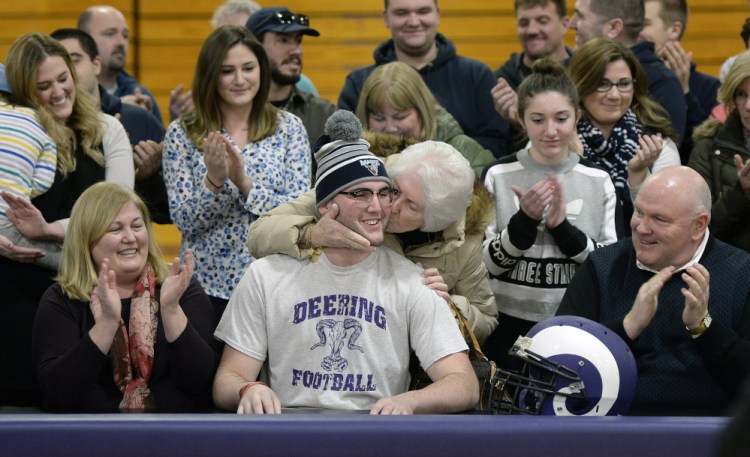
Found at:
(166, 36)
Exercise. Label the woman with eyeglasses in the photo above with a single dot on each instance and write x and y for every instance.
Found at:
(231, 159)
(552, 208)
(438, 216)
(621, 129)
(722, 156)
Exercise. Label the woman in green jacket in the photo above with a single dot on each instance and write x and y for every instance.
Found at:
(396, 100)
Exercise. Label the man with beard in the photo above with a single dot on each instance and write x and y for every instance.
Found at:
(461, 85)
(280, 31)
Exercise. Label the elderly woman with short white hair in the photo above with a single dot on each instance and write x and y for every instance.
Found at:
(438, 218)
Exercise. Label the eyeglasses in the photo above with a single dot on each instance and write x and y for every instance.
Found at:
(287, 17)
(363, 197)
(624, 86)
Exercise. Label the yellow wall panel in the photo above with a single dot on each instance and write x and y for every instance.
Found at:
(167, 36)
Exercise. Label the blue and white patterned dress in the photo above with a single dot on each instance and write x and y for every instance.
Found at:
(214, 226)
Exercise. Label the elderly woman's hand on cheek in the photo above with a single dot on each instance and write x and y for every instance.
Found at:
(174, 286)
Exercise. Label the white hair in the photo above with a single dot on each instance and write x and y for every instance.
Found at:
(232, 7)
(446, 177)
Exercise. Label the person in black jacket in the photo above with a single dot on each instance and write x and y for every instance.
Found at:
(120, 329)
(721, 155)
(145, 132)
(541, 27)
(665, 25)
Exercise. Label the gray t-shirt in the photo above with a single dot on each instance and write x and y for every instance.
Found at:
(338, 337)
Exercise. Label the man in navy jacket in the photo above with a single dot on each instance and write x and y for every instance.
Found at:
(665, 26)
(461, 85)
(144, 130)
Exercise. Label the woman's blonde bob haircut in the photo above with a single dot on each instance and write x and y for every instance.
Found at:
(738, 72)
(90, 218)
(399, 86)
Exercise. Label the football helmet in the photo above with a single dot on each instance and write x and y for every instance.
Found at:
(573, 367)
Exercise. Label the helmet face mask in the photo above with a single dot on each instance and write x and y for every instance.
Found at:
(573, 366)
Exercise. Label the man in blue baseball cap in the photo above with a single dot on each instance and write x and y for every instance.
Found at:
(280, 31)
(281, 20)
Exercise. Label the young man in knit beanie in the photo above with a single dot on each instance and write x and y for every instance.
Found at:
(334, 330)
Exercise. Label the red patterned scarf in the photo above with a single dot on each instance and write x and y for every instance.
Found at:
(133, 352)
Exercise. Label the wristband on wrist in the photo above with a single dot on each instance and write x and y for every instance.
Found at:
(213, 183)
(249, 385)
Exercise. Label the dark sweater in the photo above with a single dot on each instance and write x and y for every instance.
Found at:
(141, 126)
(74, 375)
(23, 284)
(677, 375)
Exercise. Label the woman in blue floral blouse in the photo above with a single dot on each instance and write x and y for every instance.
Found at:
(231, 159)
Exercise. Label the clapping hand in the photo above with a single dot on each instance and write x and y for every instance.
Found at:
(505, 100)
(215, 158)
(147, 158)
(646, 303)
(29, 220)
(556, 212)
(139, 99)
(535, 200)
(649, 149)
(177, 282)
(106, 291)
(180, 102)
(18, 253)
(743, 174)
(696, 295)
(677, 60)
